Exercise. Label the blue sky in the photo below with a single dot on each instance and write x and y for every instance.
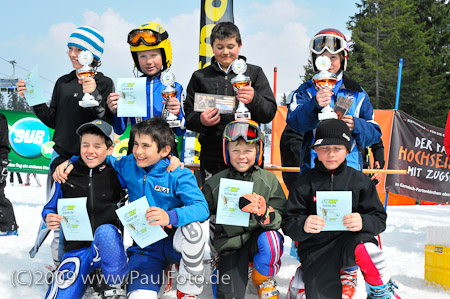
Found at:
(274, 33)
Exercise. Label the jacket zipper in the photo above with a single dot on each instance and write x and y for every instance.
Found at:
(143, 185)
(150, 112)
(91, 200)
(331, 183)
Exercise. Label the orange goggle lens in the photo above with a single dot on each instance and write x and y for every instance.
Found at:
(146, 36)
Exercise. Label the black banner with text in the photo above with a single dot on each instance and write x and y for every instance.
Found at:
(419, 148)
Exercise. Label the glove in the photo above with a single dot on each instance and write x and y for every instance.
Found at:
(3, 170)
(256, 205)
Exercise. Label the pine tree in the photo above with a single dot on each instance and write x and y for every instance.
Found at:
(383, 32)
(16, 103)
(2, 103)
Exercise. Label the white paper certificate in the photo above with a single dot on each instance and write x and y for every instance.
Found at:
(332, 206)
(75, 219)
(133, 219)
(133, 97)
(34, 93)
(228, 211)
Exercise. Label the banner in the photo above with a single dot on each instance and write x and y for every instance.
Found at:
(30, 142)
(212, 12)
(419, 148)
(32, 146)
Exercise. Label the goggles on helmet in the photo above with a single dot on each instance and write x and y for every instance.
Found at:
(249, 132)
(146, 36)
(333, 44)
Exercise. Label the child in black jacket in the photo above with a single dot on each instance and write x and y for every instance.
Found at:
(324, 253)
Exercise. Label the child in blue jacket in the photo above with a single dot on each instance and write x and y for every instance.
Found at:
(176, 203)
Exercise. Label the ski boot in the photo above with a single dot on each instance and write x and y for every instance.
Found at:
(296, 286)
(349, 283)
(116, 291)
(265, 285)
(181, 295)
(385, 291)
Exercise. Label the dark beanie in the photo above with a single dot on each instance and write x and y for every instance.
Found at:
(333, 132)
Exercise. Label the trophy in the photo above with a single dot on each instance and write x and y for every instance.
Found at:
(239, 67)
(325, 80)
(168, 80)
(85, 58)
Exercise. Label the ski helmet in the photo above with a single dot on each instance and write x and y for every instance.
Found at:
(150, 36)
(331, 40)
(248, 130)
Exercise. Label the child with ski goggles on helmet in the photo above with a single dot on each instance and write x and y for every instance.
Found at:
(152, 53)
(323, 253)
(236, 246)
(307, 103)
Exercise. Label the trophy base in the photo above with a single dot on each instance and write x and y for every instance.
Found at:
(174, 123)
(327, 115)
(87, 101)
(88, 104)
(242, 115)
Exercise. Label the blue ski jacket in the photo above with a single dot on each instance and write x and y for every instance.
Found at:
(303, 118)
(176, 192)
(154, 107)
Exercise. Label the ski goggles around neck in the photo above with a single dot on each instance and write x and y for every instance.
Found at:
(249, 132)
(146, 36)
(332, 44)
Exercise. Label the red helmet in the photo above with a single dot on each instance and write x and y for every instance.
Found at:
(331, 40)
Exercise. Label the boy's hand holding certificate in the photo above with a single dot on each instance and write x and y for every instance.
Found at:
(133, 219)
(228, 211)
(332, 206)
(75, 219)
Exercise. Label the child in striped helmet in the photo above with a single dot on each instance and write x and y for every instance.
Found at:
(65, 115)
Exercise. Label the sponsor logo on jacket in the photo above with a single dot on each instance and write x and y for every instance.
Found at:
(162, 189)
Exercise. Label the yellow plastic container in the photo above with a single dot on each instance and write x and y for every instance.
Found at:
(437, 265)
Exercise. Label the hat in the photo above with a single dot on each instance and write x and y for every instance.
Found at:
(333, 132)
(88, 39)
(99, 124)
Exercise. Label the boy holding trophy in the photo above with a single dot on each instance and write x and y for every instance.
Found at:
(345, 99)
(152, 55)
(216, 80)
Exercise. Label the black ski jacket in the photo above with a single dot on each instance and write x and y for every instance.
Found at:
(4, 143)
(102, 187)
(301, 204)
(65, 115)
(213, 80)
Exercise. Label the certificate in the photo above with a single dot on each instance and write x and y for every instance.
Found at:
(133, 97)
(204, 101)
(332, 206)
(34, 93)
(228, 211)
(133, 219)
(75, 219)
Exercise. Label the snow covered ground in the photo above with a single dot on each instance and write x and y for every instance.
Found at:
(403, 243)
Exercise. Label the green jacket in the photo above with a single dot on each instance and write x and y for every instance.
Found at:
(230, 237)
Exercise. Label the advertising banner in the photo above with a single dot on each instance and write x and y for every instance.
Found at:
(419, 148)
(30, 142)
(32, 146)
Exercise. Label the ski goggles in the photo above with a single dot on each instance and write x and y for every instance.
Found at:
(248, 131)
(332, 44)
(146, 36)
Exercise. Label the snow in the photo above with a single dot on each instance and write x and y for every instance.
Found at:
(403, 242)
